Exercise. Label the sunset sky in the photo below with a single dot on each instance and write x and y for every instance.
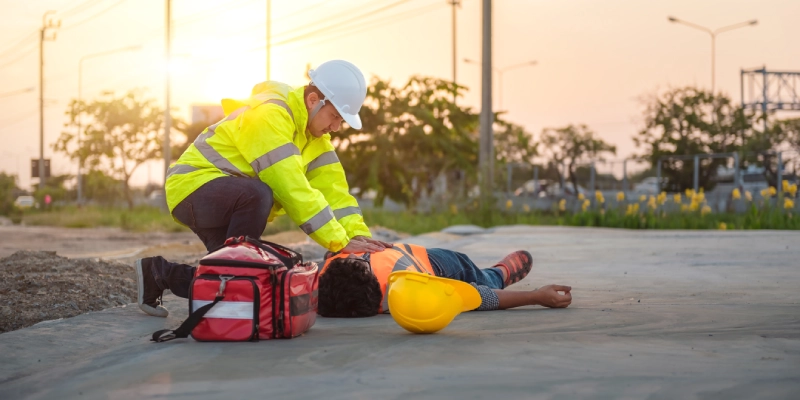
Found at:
(596, 58)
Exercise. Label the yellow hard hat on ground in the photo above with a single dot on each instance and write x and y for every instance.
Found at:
(422, 303)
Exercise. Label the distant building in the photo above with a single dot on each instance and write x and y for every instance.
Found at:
(207, 113)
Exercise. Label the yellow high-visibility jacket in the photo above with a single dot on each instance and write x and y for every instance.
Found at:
(264, 137)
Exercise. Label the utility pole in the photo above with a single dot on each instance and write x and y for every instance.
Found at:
(454, 3)
(167, 117)
(42, 37)
(486, 153)
(269, 28)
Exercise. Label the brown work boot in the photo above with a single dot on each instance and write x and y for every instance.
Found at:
(517, 266)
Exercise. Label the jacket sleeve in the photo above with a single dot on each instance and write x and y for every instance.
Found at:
(265, 139)
(326, 174)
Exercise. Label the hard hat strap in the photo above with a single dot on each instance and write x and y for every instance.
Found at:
(315, 110)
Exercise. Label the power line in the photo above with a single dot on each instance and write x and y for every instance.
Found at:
(21, 56)
(349, 30)
(95, 15)
(9, 50)
(337, 23)
(16, 92)
(77, 9)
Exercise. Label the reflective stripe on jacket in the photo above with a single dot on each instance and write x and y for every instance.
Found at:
(400, 257)
(265, 137)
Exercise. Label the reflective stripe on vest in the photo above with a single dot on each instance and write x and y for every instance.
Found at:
(343, 212)
(178, 169)
(212, 155)
(317, 221)
(326, 158)
(259, 164)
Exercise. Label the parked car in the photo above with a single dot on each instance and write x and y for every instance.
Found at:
(547, 188)
(649, 185)
(25, 202)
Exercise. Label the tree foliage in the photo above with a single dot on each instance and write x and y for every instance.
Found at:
(574, 145)
(8, 193)
(415, 133)
(687, 121)
(119, 135)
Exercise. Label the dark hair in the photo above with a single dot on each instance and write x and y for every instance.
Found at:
(310, 88)
(349, 289)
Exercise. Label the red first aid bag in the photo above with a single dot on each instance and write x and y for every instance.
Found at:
(248, 290)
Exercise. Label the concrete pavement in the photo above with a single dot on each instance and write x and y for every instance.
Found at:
(656, 314)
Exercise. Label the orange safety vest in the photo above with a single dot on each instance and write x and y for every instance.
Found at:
(401, 257)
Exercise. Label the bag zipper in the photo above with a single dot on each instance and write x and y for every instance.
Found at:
(283, 302)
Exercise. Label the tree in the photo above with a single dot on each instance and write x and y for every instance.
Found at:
(120, 133)
(8, 193)
(688, 121)
(102, 188)
(410, 135)
(574, 145)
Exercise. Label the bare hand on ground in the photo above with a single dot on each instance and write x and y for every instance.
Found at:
(549, 296)
(381, 243)
(358, 246)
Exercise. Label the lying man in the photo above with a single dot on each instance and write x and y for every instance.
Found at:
(355, 285)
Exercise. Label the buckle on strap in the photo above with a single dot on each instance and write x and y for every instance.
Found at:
(223, 282)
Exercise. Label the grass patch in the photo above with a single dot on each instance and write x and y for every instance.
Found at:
(140, 219)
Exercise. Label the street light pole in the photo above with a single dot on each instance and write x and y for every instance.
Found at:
(269, 34)
(167, 116)
(500, 72)
(42, 32)
(80, 97)
(713, 34)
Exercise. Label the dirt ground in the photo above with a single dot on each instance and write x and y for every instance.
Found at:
(49, 273)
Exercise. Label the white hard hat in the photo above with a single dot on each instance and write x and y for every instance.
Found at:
(344, 86)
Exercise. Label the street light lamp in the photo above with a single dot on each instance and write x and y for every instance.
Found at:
(500, 72)
(80, 97)
(713, 34)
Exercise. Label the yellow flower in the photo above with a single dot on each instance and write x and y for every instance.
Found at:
(662, 198)
(562, 205)
(684, 207)
(585, 205)
(792, 189)
(632, 209)
(689, 192)
(620, 197)
(651, 202)
(699, 197)
(677, 198)
(526, 208)
(765, 193)
(772, 191)
(642, 198)
(599, 196)
(723, 226)
(694, 206)
(509, 204)
(705, 210)
(748, 196)
(453, 209)
(788, 203)
(581, 196)
(785, 185)
(736, 194)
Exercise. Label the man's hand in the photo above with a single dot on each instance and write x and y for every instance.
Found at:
(361, 246)
(549, 296)
(380, 243)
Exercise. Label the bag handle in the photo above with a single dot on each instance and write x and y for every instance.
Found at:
(290, 261)
(186, 327)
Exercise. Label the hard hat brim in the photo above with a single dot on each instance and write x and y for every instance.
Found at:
(354, 120)
(470, 298)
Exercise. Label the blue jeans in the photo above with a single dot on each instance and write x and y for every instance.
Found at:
(222, 208)
(454, 265)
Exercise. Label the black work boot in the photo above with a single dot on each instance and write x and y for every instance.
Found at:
(149, 288)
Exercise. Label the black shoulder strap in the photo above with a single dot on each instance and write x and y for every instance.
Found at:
(186, 327)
